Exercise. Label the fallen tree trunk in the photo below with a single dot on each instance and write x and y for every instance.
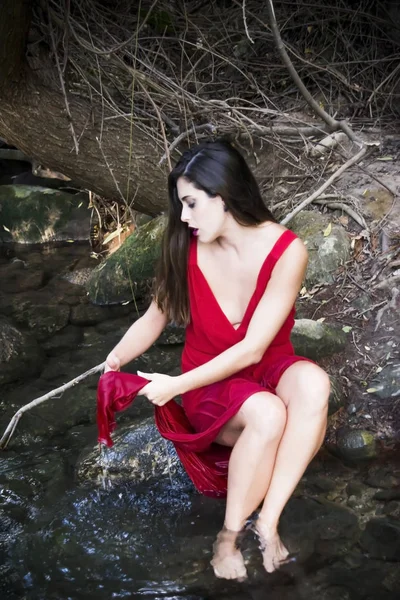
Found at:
(116, 159)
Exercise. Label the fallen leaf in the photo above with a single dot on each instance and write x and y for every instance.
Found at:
(303, 291)
(385, 158)
(6, 228)
(346, 328)
(328, 230)
(378, 369)
(344, 220)
(372, 390)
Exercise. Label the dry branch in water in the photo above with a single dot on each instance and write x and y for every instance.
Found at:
(14, 421)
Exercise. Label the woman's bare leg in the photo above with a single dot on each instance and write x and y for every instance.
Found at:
(255, 433)
(304, 388)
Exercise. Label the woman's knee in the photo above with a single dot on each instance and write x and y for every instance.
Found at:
(309, 388)
(265, 414)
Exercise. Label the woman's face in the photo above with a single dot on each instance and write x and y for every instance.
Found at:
(204, 215)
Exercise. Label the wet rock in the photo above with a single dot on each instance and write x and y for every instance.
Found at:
(381, 538)
(387, 383)
(139, 454)
(392, 509)
(321, 483)
(87, 314)
(64, 340)
(393, 494)
(315, 340)
(319, 525)
(77, 406)
(16, 277)
(35, 215)
(78, 276)
(326, 253)
(356, 444)
(20, 355)
(126, 275)
(41, 317)
(171, 336)
(355, 488)
(380, 477)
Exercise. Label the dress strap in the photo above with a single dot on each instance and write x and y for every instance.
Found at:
(281, 244)
(278, 249)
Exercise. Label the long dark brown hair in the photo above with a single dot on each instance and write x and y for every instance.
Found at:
(217, 168)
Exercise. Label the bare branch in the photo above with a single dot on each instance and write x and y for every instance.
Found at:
(14, 421)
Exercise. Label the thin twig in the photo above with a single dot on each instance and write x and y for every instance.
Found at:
(353, 160)
(64, 92)
(245, 22)
(183, 135)
(57, 392)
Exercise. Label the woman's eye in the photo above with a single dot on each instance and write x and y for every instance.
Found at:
(191, 205)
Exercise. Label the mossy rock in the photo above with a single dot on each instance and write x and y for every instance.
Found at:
(326, 253)
(126, 275)
(315, 340)
(32, 214)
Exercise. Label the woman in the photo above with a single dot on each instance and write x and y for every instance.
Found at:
(231, 274)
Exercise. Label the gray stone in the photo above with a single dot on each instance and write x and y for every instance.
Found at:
(20, 355)
(42, 318)
(139, 454)
(88, 314)
(381, 476)
(126, 275)
(326, 253)
(16, 277)
(66, 339)
(171, 336)
(381, 539)
(356, 444)
(36, 215)
(78, 276)
(315, 340)
(387, 383)
(393, 494)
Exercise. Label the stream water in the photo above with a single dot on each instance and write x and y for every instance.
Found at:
(61, 538)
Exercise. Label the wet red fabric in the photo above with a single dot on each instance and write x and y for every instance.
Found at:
(194, 426)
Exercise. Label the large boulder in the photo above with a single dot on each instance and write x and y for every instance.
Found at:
(314, 340)
(139, 454)
(20, 355)
(126, 275)
(32, 214)
(328, 245)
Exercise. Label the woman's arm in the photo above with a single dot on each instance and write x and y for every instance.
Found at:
(269, 316)
(139, 337)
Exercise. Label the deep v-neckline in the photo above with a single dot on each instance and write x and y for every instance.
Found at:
(213, 297)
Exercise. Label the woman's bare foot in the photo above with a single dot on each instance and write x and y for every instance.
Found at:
(228, 561)
(272, 549)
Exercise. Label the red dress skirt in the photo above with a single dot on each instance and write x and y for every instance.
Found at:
(194, 426)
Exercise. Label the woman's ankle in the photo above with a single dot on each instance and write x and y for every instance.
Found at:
(268, 527)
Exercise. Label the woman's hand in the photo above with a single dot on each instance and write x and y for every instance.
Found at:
(112, 363)
(161, 389)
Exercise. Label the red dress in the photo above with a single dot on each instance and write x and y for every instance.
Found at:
(194, 426)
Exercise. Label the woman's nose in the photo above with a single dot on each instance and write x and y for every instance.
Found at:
(185, 214)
